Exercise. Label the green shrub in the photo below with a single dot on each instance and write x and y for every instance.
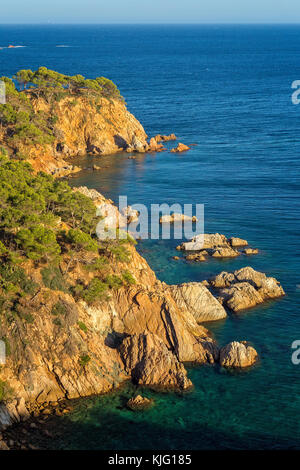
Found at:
(114, 282)
(97, 265)
(83, 326)
(96, 290)
(59, 309)
(121, 253)
(81, 240)
(84, 360)
(53, 279)
(5, 391)
(128, 278)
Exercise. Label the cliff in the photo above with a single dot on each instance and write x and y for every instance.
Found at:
(83, 127)
(52, 117)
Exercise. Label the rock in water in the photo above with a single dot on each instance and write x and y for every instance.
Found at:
(238, 355)
(246, 288)
(198, 300)
(149, 362)
(224, 252)
(234, 241)
(172, 218)
(180, 148)
(139, 403)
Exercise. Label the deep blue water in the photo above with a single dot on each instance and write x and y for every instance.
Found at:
(228, 90)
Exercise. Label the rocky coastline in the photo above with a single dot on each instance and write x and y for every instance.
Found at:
(142, 330)
(144, 333)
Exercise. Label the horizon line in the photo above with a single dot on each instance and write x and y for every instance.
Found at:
(208, 23)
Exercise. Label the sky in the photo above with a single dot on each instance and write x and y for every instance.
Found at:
(150, 11)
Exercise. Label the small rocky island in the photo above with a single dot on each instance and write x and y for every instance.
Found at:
(79, 316)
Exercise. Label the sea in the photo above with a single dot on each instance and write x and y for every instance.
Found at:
(227, 90)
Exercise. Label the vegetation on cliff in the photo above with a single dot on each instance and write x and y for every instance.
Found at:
(21, 124)
(47, 232)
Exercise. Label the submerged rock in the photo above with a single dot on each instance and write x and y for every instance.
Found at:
(238, 355)
(199, 257)
(139, 403)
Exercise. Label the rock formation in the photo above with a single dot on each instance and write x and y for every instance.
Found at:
(139, 403)
(180, 148)
(238, 355)
(246, 288)
(215, 245)
(164, 138)
(195, 298)
(149, 362)
(172, 218)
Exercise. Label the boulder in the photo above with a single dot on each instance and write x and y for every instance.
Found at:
(205, 241)
(198, 257)
(241, 296)
(224, 252)
(238, 355)
(195, 298)
(172, 218)
(180, 148)
(139, 403)
(250, 251)
(149, 362)
(164, 138)
(137, 145)
(246, 288)
(235, 242)
(268, 287)
(154, 146)
(132, 215)
(223, 279)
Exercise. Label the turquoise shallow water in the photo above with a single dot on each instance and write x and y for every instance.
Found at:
(228, 90)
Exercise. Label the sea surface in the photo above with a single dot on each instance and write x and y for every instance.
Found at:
(226, 89)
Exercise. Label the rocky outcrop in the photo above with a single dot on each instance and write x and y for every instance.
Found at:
(149, 362)
(215, 245)
(12, 412)
(195, 298)
(132, 215)
(155, 146)
(236, 242)
(139, 403)
(250, 251)
(165, 138)
(172, 218)
(246, 288)
(180, 148)
(224, 252)
(238, 355)
(82, 127)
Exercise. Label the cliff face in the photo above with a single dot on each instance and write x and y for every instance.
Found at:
(83, 126)
(55, 357)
